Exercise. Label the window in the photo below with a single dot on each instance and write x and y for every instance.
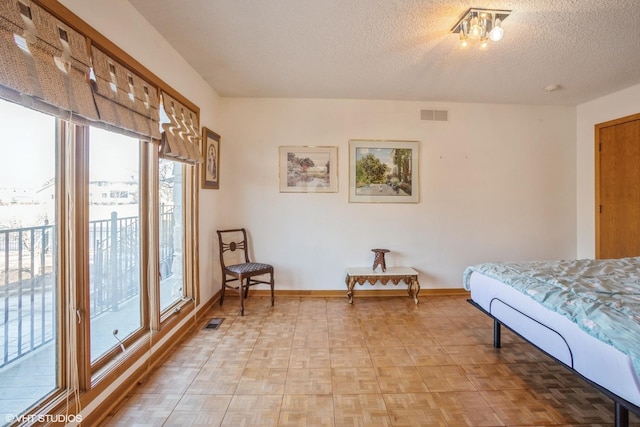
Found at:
(114, 241)
(171, 233)
(28, 258)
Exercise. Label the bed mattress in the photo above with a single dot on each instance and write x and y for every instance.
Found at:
(558, 336)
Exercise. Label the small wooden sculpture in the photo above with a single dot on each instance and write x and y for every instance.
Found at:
(379, 259)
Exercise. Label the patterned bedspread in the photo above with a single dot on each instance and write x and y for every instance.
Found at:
(601, 296)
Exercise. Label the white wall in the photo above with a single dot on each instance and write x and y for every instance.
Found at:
(497, 182)
(610, 107)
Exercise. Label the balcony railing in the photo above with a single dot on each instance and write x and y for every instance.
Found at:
(28, 288)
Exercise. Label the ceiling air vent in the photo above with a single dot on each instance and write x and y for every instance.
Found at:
(434, 115)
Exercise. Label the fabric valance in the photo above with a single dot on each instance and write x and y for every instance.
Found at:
(180, 136)
(124, 100)
(47, 66)
(44, 64)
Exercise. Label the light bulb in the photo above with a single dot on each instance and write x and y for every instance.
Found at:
(464, 43)
(496, 32)
(475, 31)
(484, 42)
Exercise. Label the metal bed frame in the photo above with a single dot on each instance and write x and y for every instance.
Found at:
(621, 406)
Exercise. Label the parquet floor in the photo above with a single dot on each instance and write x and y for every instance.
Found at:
(378, 362)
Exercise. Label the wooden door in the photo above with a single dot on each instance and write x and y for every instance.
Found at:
(618, 188)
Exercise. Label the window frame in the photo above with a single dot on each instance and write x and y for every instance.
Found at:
(83, 147)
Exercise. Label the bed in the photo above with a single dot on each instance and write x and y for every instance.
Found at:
(583, 313)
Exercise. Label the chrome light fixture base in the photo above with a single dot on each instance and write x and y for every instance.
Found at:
(481, 24)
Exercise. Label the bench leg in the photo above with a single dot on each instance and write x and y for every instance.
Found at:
(350, 281)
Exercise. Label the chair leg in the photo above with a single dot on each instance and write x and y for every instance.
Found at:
(271, 284)
(246, 289)
(222, 292)
(240, 295)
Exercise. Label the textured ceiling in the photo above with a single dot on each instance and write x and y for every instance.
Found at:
(403, 49)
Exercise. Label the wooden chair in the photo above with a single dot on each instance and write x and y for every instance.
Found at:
(237, 267)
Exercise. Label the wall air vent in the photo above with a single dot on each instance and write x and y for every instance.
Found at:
(434, 115)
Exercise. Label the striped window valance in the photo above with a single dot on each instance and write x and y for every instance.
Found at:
(44, 64)
(124, 100)
(180, 135)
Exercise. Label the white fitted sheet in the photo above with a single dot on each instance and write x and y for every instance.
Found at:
(558, 336)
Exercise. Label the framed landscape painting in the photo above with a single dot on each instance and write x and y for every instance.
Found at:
(305, 169)
(383, 171)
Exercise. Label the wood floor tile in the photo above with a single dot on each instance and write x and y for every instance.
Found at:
(545, 375)
(214, 380)
(466, 409)
(433, 355)
(306, 410)
(308, 381)
(228, 358)
(414, 410)
(310, 357)
(493, 377)
(458, 337)
(189, 356)
(473, 354)
(262, 381)
(360, 410)
(173, 378)
(310, 338)
(390, 356)
(145, 409)
(269, 358)
(348, 357)
(199, 410)
(520, 407)
(346, 339)
(354, 381)
(253, 410)
(274, 339)
(400, 379)
(576, 405)
(445, 378)
(419, 338)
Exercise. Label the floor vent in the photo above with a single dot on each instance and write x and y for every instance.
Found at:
(214, 323)
(434, 115)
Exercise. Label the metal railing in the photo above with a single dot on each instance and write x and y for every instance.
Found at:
(28, 288)
(114, 259)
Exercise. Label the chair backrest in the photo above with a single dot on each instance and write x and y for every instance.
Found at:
(230, 241)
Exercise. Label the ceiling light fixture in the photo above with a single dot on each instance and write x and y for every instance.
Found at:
(482, 25)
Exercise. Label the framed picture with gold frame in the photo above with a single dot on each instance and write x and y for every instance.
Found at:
(308, 169)
(211, 163)
(383, 171)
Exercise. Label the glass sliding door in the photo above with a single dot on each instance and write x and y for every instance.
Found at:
(28, 259)
(114, 240)
(171, 233)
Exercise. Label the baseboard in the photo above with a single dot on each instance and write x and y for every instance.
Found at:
(359, 292)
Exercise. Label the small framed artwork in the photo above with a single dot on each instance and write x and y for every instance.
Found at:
(383, 171)
(306, 169)
(211, 164)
